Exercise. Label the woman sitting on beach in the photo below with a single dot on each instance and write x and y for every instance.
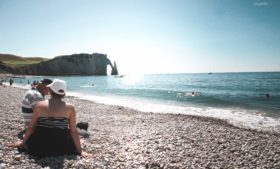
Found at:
(52, 130)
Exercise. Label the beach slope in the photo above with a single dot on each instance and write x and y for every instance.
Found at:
(124, 138)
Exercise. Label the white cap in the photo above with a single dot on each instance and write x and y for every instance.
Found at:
(58, 86)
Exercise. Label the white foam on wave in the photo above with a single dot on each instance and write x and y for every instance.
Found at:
(17, 85)
(22, 86)
(88, 86)
(238, 117)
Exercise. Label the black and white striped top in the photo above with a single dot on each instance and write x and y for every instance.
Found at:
(30, 99)
(53, 122)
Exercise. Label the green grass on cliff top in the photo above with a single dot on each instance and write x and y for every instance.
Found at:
(17, 61)
(14, 63)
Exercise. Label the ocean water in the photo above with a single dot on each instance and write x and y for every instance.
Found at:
(250, 100)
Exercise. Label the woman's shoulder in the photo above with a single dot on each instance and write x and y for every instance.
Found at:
(40, 108)
(42, 104)
(69, 107)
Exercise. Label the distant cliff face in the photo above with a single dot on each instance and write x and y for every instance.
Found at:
(4, 68)
(76, 64)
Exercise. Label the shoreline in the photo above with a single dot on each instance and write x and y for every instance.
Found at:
(121, 137)
(239, 117)
(219, 121)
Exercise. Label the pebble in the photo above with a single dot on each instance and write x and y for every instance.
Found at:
(17, 157)
(2, 166)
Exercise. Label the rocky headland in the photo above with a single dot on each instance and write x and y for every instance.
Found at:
(75, 64)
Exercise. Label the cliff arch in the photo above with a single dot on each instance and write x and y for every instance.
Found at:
(76, 64)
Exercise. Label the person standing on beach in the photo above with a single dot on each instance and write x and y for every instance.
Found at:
(11, 82)
(32, 97)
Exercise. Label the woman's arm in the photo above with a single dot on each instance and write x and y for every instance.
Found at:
(75, 135)
(73, 130)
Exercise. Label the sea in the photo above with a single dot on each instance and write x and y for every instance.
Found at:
(248, 100)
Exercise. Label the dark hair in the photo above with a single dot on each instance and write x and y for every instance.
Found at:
(46, 81)
(53, 94)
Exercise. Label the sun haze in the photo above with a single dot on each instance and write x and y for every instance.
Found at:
(148, 36)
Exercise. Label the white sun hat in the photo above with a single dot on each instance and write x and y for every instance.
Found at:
(58, 86)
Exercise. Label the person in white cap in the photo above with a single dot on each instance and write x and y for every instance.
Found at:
(52, 129)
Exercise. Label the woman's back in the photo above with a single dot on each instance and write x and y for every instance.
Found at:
(54, 108)
(52, 134)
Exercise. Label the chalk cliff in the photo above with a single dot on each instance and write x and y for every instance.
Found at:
(76, 64)
(4, 68)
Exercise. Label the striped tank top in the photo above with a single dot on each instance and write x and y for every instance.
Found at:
(53, 122)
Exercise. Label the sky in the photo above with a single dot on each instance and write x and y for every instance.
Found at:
(148, 36)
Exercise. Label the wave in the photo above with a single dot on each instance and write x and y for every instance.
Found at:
(252, 119)
(22, 86)
(86, 86)
(246, 100)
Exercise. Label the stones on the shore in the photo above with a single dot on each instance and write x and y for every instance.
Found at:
(17, 157)
(2, 165)
(124, 138)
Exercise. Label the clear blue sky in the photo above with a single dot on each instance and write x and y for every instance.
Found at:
(148, 36)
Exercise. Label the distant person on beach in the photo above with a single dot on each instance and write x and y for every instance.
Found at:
(32, 97)
(11, 82)
(52, 130)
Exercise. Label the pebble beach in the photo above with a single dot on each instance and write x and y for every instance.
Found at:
(120, 137)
